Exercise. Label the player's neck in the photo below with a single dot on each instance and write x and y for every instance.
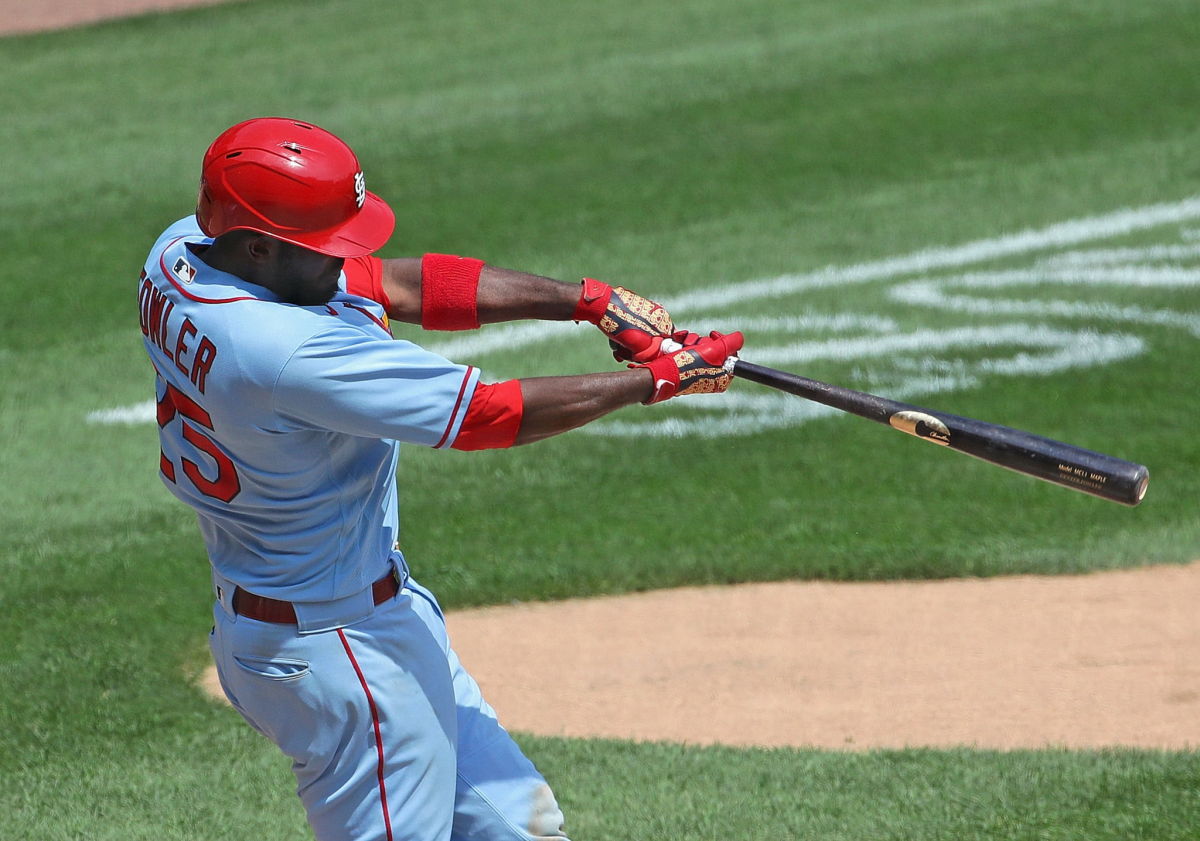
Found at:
(231, 258)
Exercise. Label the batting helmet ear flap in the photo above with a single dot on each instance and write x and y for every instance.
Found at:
(205, 210)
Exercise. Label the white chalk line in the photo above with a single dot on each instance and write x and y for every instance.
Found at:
(1020, 335)
(810, 322)
(1074, 271)
(1137, 276)
(519, 336)
(1061, 235)
(789, 410)
(748, 413)
(1100, 256)
(145, 412)
(1125, 267)
(930, 294)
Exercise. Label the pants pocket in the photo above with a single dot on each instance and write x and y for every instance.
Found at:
(272, 668)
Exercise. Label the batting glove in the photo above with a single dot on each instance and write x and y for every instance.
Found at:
(696, 367)
(635, 326)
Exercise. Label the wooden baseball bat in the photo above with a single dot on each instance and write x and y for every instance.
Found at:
(1043, 458)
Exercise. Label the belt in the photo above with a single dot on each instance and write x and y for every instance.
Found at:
(283, 613)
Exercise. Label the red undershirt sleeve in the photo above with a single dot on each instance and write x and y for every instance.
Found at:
(364, 278)
(493, 418)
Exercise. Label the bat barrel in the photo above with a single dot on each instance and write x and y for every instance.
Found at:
(1063, 464)
(1043, 458)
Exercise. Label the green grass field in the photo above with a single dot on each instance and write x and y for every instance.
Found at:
(686, 150)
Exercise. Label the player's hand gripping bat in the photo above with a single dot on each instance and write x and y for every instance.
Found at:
(1073, 467)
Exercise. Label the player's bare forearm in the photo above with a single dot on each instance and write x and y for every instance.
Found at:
(402, 285)
(558, 404)
(504, 294)
(507, 295)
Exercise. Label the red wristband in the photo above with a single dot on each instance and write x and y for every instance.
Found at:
(593, 301)
(493, 417)
(666, 378)
(449, 289)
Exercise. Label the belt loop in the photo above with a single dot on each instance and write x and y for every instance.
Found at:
(223, 591)
(399, 568)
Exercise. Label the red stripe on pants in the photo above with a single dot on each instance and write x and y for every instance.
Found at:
(387, 818)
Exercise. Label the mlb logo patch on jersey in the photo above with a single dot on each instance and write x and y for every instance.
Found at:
(183, 270)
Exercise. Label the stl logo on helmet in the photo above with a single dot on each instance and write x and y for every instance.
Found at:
(360, 190)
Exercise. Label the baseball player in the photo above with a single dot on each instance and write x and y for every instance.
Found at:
(282, 399)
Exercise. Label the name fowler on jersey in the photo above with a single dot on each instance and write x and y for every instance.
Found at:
(155, 309)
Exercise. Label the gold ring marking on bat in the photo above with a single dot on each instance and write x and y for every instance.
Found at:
(921, 425)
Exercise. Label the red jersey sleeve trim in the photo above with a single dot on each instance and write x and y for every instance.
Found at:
(449, 287)
(364, 278)
(462, 389)
(493, 418)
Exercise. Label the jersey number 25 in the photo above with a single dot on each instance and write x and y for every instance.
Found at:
(226, 485)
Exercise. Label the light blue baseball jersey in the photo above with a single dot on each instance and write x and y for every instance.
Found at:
(280, 425)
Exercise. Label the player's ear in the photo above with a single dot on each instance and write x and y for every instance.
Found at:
(260, 248)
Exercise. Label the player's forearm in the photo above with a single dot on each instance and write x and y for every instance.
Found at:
(402, 286)
(502, 294)
(507, 295)
(553, 405)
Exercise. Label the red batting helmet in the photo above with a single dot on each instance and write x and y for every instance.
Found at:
(295, 182)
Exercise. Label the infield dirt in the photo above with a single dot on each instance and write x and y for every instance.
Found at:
(39, 15)
(1110, 658)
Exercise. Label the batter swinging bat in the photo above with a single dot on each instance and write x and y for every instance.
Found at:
(1073, 467)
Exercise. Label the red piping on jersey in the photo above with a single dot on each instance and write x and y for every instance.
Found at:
(365, 312)
(461, 391)
(170, 279)
(387, 819)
